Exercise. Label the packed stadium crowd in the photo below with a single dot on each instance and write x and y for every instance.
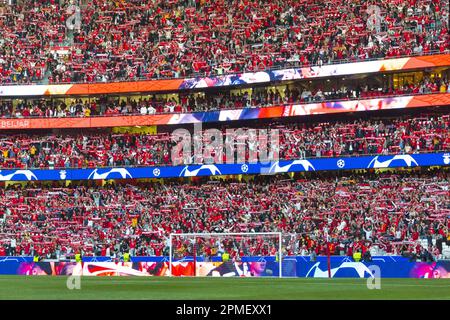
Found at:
(413, 134)
(127, 40)
(192, 102)
(391, 211)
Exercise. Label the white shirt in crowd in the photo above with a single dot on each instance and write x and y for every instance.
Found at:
(342, 225)
(151, 110)
(368, 234)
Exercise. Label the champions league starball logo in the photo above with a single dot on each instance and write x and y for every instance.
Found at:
(340, 163)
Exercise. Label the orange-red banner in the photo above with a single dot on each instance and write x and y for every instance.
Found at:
(161, 85)
(441, 99)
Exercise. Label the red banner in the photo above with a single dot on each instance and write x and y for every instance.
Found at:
(403, 102)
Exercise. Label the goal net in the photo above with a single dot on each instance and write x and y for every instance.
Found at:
(227, 254)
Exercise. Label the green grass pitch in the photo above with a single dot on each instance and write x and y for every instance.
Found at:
(137, 288)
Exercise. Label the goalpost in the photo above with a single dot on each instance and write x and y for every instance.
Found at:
(228, 254)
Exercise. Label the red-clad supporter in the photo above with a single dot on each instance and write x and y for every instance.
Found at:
(139, 39)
